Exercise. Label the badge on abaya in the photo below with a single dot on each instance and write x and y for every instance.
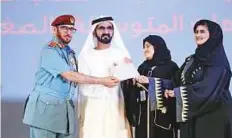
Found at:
(142, 95)
(164, 110)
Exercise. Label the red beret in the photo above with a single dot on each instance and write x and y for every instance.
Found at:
(64, 20)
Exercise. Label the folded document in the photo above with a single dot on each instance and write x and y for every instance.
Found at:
(124, 70)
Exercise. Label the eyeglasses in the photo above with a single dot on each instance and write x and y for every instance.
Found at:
(66, 29)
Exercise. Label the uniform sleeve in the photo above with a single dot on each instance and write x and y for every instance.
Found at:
(203, 96)
(53, 62)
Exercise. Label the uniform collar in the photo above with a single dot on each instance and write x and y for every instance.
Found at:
(56, 42)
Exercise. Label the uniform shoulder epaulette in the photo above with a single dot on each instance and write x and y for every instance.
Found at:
(52, 44)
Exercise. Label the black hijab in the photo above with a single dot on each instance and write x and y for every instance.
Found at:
(161, 55)
(212, 52)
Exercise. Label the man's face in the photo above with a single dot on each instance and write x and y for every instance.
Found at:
(65, 33)
(104, 32)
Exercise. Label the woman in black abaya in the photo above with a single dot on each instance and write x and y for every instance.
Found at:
(202, 87)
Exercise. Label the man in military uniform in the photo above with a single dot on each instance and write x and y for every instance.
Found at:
(49, 109)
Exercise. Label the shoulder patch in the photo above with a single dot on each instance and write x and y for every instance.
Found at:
(52, 44)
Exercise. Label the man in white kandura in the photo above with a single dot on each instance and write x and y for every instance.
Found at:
(101, 109)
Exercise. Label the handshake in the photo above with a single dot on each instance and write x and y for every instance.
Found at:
(113, 81)
(109, 81)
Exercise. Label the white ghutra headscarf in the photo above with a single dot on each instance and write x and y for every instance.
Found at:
(116, 41)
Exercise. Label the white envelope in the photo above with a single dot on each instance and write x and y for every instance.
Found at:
(124, 70)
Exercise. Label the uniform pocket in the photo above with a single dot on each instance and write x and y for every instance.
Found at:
(47, 101)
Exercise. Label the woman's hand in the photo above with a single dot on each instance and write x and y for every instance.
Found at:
(142, 79)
